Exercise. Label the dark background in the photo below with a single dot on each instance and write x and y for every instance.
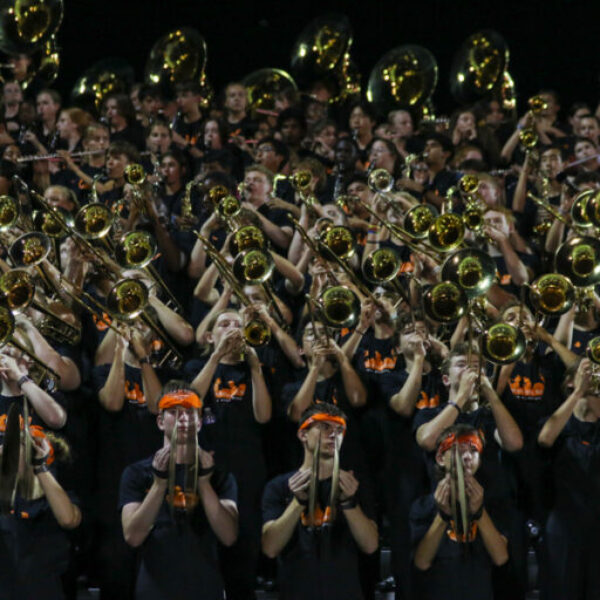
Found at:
(553, 43)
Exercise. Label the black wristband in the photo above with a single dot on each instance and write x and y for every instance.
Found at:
(349, 503)
(300, 501)
(160, 474)
(202, 471)
(477, 515)
(43, 468)
(456, 406)
(23, 380)
(444, 516)
(36, 462)
(145, 360)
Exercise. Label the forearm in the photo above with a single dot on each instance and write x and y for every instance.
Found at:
(351, 344)
(205, 288)
(564, 330)
(287, 344)
(353, 386)
(138, 523)
(261, 399)
(429, 545)
(428, 433)
(174, 324)
(202, 328)
(276, 534)
(44, 405)
(173, 256)
(112, 394)
(151, 387)
(275, 233)
(508, 430)
(305, 396)
(495, 543)
(65, 512)
(554, 236)
(203, 380)
(515, 267)
(223, 521)
(518, 204)
(293, 276)
(405, 400)
(509, 147)
(197, 264)
(567, 357)
(363, 530)
(557, 421)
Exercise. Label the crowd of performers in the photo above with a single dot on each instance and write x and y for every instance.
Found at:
(227, 352)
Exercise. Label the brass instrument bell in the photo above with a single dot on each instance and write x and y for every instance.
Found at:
(405, 76)
(135, 250)
(30, 249)
(468, 184)
(503, 344)
(592, 208)
(93, 221)
(471, 269)
(256, 333)
(253, 267)
(381, 265)
(247, 238)
(339, 240)
(578, 259)
(537, 104)
(593, 350)
(46, 222)
(340, 306)
(380, 180)
(263, 87)
(529, 138)
(445, 302)
(9, 212)
(579, 209)
(135, 174)
(229, 207)
(216, 193)
(446, 233)
(552, 294)
(127, 298)
(419, 219)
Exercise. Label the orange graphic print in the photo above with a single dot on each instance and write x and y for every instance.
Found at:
(101, 324)
(379, 364)
(505, 279)
(134, 394)
(425, 401)
(451, 532)
(229, 393)
(522, 386)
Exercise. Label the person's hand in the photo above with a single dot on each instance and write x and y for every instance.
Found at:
(442, 496)
(206, 460)
(321, 353)
(231, 341)
(494, 234)
(299, 483)
(466, 387)
(29, 136)
(417, 345)
(367, 315)
(583, 377)
(474, 493)
(10, 370)
(348, 485)
(160, 464)
(65, 155)
(41, 448)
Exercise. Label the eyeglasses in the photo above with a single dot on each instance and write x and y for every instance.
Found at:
(265, 148)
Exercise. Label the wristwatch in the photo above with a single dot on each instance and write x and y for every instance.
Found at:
(23, 380)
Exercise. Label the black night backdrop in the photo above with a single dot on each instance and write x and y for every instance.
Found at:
(553, 43)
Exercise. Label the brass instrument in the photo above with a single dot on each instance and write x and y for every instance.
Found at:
(27, 25)
(549, 208)
(137, 250)
(216, 193)
(10, 211)
(127, 300)
(445, 302)
(380, 181)
(300, 181)
(339, 240)
(263, 87)
(256, 333)
(228, 208)
(579, 209)
(403, 77)
(468, 186)
(419, 219)
(246, 238)
(592, 208)
(339, 306)
(17, 293)
(322, 52)
(593, 350)
(478, 67)
(537, 105)
(446, 233)
(46, 222)
(578, 259)
(552, 294)
(503, 344)
(7, 329)
(187, 212)
(473, 270)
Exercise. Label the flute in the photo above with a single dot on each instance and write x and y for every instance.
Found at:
(34, 157)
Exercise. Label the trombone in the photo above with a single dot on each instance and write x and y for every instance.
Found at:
(128, 299)
(300, 181)
(256, 333)
(137, 250)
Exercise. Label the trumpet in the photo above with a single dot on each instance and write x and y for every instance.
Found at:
(579, 209)
(127, 300)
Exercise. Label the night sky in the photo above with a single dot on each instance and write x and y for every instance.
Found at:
(553, 43)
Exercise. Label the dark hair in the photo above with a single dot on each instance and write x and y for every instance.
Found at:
(473, 164)
(553, 146)
(321, 407)
(148, 91)
(291, 113)
(56, 97)
(176, 384)
(552, 93)
(578, 106)
(158, 121)
(579, 139)
(590, 116)
(459, 429)
(221, 126)
(121, 147)
(220, 178)
(359, 176)
(443, 140)
(319, 126)
(279, 147)
(587, 177)
(366, 107)
(124, 106)
(461, 349)
(188, 86)
(179, 156)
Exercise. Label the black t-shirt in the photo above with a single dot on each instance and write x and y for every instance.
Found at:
(530, 261)
(133, 133)
(7, 401)
(190, 132)
(179, 556)
(580, 339)
(320, 564)
(456, 573)
(576, 471)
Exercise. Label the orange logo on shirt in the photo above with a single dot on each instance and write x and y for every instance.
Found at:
(320, 517)
(379, 364)
(505, 279)
(407, 267)
(522, 386)
(425, 401)
(451, 533)
(134, 394)
(101, 323)
(577, 344)
(231, 392)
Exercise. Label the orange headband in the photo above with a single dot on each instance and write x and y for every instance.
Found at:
(324, 417)
(466, 438)
(182, 398)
